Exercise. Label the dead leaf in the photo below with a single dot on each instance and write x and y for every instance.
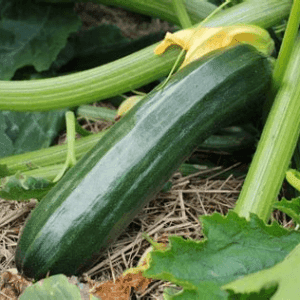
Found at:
(12, 285)
(121, 289)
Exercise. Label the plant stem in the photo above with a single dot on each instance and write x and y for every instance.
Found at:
(96, 113)
(275, 148)
(83, 87)
(163, 9)
(81, 130)
(49, 156)
(71, 134)
(71, 158)
(215, 12)
(265, 13)
(179, 59)
(49, 172)
(286, 46)
(182, 14)
(127, 73)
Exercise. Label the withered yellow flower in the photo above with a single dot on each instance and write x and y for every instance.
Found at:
(127, 105)
(200, 41)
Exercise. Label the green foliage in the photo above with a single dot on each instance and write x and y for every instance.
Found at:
(91, 45)
(4, 171)
(54, 287)
(284, 274)
(22, 132)
(34, 34)
(99, 45)
(233, 248)
(264, 294)
(290, 207)
(23, 188)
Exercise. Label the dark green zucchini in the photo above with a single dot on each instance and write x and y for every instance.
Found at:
(95, 201)
(230, 139)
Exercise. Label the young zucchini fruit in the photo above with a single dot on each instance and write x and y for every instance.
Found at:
(97, 198)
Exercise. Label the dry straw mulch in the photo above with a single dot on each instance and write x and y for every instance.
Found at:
(173, 213)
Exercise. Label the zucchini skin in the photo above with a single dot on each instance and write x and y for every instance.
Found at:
(98, 198)
(230, 139)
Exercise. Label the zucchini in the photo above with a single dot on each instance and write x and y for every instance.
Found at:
(97, 198)
(230, 139)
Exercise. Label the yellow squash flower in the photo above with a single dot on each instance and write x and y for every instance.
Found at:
(200, 41)
(127, 105)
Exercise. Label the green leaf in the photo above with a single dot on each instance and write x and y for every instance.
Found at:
(170, 292)
(24, 132)
(54, 287)
(291, 208)
(6, 144)
(233, 248)
(285, 274)
(33, 34)
(22, 188)
(264, 294)
(99, 45)
(93, 44)
(4, 171)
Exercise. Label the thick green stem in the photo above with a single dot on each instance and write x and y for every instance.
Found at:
(284, 55)
(275, 148)
(49, 172)
(163, 9)
(49, 156)
(96, 113)
(265, 13)
(112, 79)
(126, 73)
(286, 46)
(179, 7)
